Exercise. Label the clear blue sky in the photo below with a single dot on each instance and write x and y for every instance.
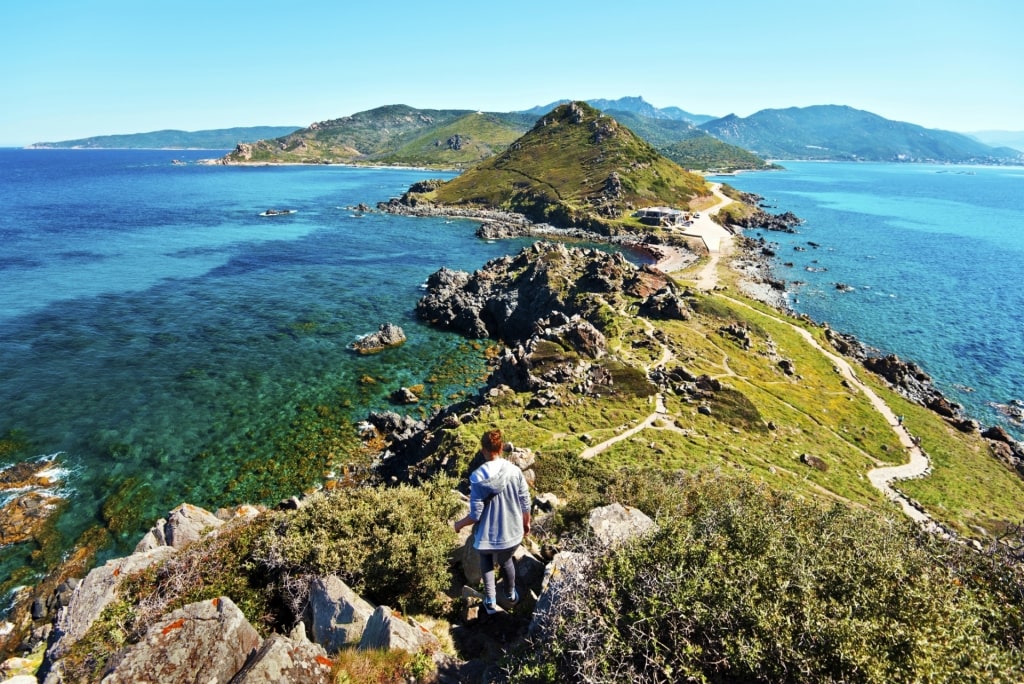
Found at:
(77, 68)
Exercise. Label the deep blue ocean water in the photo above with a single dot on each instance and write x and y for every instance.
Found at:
(154, 329)
(935, 255)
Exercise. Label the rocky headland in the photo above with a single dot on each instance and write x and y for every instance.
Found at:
(593, 355)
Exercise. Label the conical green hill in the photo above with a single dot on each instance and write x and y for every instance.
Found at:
(576, 167)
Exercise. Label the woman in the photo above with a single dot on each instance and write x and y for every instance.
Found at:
(499, 500)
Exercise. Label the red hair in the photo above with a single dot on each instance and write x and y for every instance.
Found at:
(492, 442)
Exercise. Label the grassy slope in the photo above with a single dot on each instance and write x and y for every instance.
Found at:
(563, 165)
(360, 137)
(482, 135)
(813, 412)
(707, 153)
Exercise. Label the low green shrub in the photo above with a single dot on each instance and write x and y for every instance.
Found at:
(745, 584)
(391, 545)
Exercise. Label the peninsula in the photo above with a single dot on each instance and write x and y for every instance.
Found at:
(718, 486)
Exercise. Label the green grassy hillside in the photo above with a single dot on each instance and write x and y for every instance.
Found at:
(576, 167)
(710, 154)
(462, 142)
(395, 134)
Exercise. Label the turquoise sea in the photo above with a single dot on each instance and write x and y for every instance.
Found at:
(171, 344)
(935, 257)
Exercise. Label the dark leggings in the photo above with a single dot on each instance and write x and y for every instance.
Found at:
(488, 559)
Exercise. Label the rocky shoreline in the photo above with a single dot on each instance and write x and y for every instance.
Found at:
(503, 225)
(755, 263)
(905, 377)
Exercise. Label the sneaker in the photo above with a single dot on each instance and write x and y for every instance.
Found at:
(512, 597)
(491, 606)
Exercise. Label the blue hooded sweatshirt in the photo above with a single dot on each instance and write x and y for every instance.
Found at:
(498, 498)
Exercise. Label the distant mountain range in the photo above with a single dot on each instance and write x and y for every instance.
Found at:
(216, 139)
(838, 133)
(1014, 139)
(633, 105)
(459, 138)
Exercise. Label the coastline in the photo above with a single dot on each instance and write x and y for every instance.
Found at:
(500, 225)
(750, 258)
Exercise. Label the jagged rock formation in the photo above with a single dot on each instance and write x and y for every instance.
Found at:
(782, 223)
(509, 295)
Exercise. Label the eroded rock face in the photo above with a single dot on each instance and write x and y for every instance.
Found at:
(207, 641)
(95, 593)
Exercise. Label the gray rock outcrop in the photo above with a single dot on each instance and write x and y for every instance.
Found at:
(281, 660)
(92, 595)
(510, 294)
(560, 576)
(184, 525)
(616, 523)
(337, 615)
(387, 630)
(207, 641)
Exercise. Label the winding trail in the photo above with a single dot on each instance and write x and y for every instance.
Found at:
(719, 241)
(881, 478)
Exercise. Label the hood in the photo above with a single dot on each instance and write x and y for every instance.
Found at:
(495, 476)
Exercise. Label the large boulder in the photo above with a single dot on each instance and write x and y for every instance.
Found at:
(188, 523)
(95, 593)
(337, 615)
(561, 576)
(281, 660)
(386, 630)
(207, 641)
(616, 523)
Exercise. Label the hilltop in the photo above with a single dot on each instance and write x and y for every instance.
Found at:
(393, 134)
(839, 133)
(575, 168)
(636, 106)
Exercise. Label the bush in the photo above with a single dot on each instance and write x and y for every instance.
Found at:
(389, 544)
(745, 584)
